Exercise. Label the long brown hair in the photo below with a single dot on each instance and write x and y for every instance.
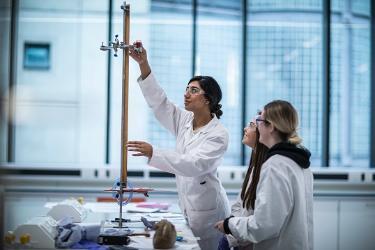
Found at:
(248, 194)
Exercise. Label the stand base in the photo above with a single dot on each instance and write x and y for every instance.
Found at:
(121, 240)
(112, 234)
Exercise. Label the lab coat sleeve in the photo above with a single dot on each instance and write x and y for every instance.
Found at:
(204, 159)
(237, 206)
(167, 113)
(272, 207)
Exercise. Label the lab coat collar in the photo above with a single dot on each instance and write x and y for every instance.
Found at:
(214, 121)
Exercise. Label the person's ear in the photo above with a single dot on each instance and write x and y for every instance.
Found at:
(272, 128)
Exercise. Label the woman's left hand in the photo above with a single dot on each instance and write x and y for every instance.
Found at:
(142, 148)
(220, 226)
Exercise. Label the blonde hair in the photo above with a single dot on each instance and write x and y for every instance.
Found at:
(284, 118)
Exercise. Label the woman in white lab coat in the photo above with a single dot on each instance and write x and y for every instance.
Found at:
(244, 204)
(201, 142)
(281, 217)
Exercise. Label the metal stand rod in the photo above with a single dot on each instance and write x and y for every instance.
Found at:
(125, 102)
(124, 45)
(121, 200)
(125, 95)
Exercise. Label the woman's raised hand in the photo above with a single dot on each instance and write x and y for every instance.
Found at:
(139, 54)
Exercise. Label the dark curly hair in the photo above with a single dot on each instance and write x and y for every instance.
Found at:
(212, 92)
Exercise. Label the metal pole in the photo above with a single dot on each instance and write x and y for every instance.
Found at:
(125, 95)
(194, 37)
(125, 106)
(108, 121)
(244, 75)
(372, 87)
(2, 215)
(326, 81)
(12, 81)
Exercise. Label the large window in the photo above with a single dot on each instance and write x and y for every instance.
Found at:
(350, 84)
(67, 106)
(165, 29)
(219, 37)
(285, 62)
(59, 111)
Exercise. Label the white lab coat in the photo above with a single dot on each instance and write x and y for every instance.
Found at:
(283, 214)
(194, 161)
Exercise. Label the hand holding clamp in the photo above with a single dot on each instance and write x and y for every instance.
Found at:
(121, 45)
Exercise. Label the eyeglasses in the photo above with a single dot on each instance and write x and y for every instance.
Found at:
(257, 120)
(252, 125)
(193, 90)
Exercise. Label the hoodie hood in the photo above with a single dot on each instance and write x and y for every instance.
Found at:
(298, 154)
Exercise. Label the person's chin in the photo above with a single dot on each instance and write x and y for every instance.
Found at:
(246, 143)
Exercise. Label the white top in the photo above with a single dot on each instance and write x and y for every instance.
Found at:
(195, 160)
(283, 214)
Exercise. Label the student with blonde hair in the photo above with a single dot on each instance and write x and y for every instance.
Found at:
(282, 216)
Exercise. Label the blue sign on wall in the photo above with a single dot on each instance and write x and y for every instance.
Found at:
(36, 56)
